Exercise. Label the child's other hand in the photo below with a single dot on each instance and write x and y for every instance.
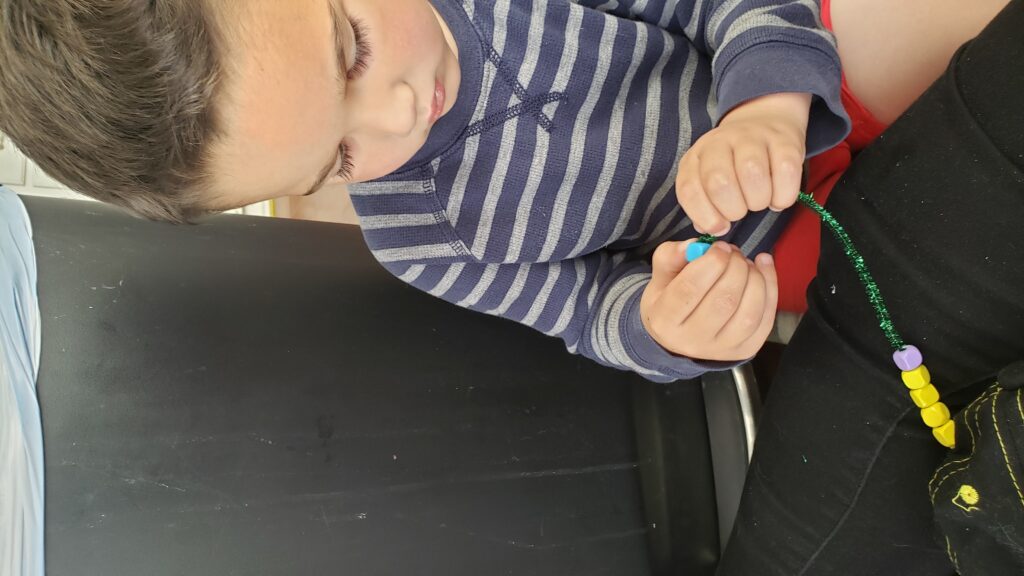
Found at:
(753, 160)
(719, 307)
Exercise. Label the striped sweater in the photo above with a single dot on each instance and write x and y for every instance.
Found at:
(540, 196)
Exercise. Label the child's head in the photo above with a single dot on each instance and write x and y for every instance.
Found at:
(172, 108)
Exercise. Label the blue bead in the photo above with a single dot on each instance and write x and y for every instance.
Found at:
(696, 250)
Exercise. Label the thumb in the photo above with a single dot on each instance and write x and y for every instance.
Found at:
(668, 261)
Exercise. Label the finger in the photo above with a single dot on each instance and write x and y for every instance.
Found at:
(786, 167)
(749, 314)
(753, 168)
(690, 286)
(721, 301)
(666, 263)
(766, 264)
(718, 176)
(694, 200)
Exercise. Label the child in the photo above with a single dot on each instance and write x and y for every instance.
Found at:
(521, 156)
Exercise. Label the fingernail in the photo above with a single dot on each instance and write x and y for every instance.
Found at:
(723, 231)
(722, 246)
(765, 259)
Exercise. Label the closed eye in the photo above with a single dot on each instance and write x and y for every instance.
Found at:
(362, 57)
(345, 170)
(349, 72)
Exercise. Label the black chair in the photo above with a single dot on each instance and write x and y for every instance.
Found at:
(258, 396)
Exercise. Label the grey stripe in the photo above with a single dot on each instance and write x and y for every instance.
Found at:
(659, 235)
(468, 6)
(482, 285)
(606, 7)
(652, 118)
(413, 273)
(382, 188)
(556, 225)
(592, 294)
(764, 18)
(717, 18)
(638, 7)
(616, 259)
(508, 135)
(494, 189)
(544, 296)
(668, 12)
(448, 280)
(424, 252)
(570, 50)
(607, 338)
(623, 286)
(682, 143)
(470, 147)
(396, 221)
(690, 31)
(514, 291)
(569, 310)
(760, 232)
(615, 331)
(600, 196)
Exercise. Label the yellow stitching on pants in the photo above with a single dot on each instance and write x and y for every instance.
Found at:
(1006, 457)
(1020, 408)
(976, 404)
(951, 554)
(933, 487)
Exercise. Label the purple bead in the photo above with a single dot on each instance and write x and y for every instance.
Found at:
(908, 358)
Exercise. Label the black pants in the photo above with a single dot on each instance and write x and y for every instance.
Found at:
(839, 482)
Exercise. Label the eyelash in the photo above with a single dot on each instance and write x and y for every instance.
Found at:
(345, 171)
(362, 50)
(357, 69)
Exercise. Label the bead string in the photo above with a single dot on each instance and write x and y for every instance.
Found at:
(906, 357)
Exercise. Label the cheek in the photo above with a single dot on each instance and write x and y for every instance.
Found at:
(383, 158)
(412, 29)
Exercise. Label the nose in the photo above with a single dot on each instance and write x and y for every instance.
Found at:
(389, 111)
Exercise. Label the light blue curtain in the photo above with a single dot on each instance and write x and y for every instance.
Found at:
(21, 435)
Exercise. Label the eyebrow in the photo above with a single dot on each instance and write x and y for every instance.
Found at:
(339, 50)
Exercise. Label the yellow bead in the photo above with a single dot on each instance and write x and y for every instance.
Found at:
(935, 415)
(917, 378)
(925, 397)
(946, 434)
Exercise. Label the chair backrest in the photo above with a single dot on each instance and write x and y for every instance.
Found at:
(258, 396)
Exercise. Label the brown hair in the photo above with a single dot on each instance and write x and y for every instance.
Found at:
(114, 97)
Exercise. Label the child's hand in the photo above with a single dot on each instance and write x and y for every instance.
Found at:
(753, 160)
(719, 307)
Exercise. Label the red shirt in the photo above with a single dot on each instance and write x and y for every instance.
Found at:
(796, 252)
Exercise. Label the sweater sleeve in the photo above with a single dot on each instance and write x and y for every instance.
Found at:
(592, 303)
(761, 47)
(757, 47)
